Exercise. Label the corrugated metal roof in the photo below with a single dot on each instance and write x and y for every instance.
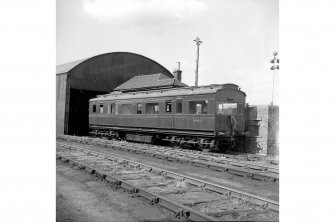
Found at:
(149, 81)
(64, 68)
(182, 91)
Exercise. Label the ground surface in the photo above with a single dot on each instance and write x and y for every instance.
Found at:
(81, 197)
(265, 189)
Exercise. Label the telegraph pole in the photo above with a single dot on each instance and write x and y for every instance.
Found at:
(274, 67)
(198, 42)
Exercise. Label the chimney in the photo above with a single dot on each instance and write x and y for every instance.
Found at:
(177, 73)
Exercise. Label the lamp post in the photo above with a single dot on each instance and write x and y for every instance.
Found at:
(274, 67)
(198, 42)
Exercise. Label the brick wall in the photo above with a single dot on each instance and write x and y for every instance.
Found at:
(262, 130)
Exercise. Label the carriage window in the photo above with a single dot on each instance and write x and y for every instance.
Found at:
(94, 110)
(127, 109)
(111, 108)
(168, 107)
(227, 108)
(179, 106)
(152, 108)
(117, 109)
(198, 107)
(220, 108)
(101, 108)
(139, 108)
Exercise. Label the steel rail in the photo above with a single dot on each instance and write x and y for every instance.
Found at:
(261, 201)
(213, 156)
(179, 209)
(207, 157)
(247, 170)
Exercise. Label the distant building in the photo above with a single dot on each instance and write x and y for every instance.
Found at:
(149, 82)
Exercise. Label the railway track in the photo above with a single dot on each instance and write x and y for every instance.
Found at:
(218, 162)
(187, 197)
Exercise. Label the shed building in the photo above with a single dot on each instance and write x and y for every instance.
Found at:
(81, 80)
(149, 82)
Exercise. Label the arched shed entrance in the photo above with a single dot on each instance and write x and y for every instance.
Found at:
(79, 81)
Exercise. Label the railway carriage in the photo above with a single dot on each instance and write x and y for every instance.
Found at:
(204, 117)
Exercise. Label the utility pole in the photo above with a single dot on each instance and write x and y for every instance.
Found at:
(198, 42)
(274, 67)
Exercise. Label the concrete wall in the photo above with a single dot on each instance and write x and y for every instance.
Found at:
(273, 129)
(61, 81)
(263, 128)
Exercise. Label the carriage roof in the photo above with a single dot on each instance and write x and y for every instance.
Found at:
(183, 91)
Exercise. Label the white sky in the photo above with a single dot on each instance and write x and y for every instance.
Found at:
(239, 37)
